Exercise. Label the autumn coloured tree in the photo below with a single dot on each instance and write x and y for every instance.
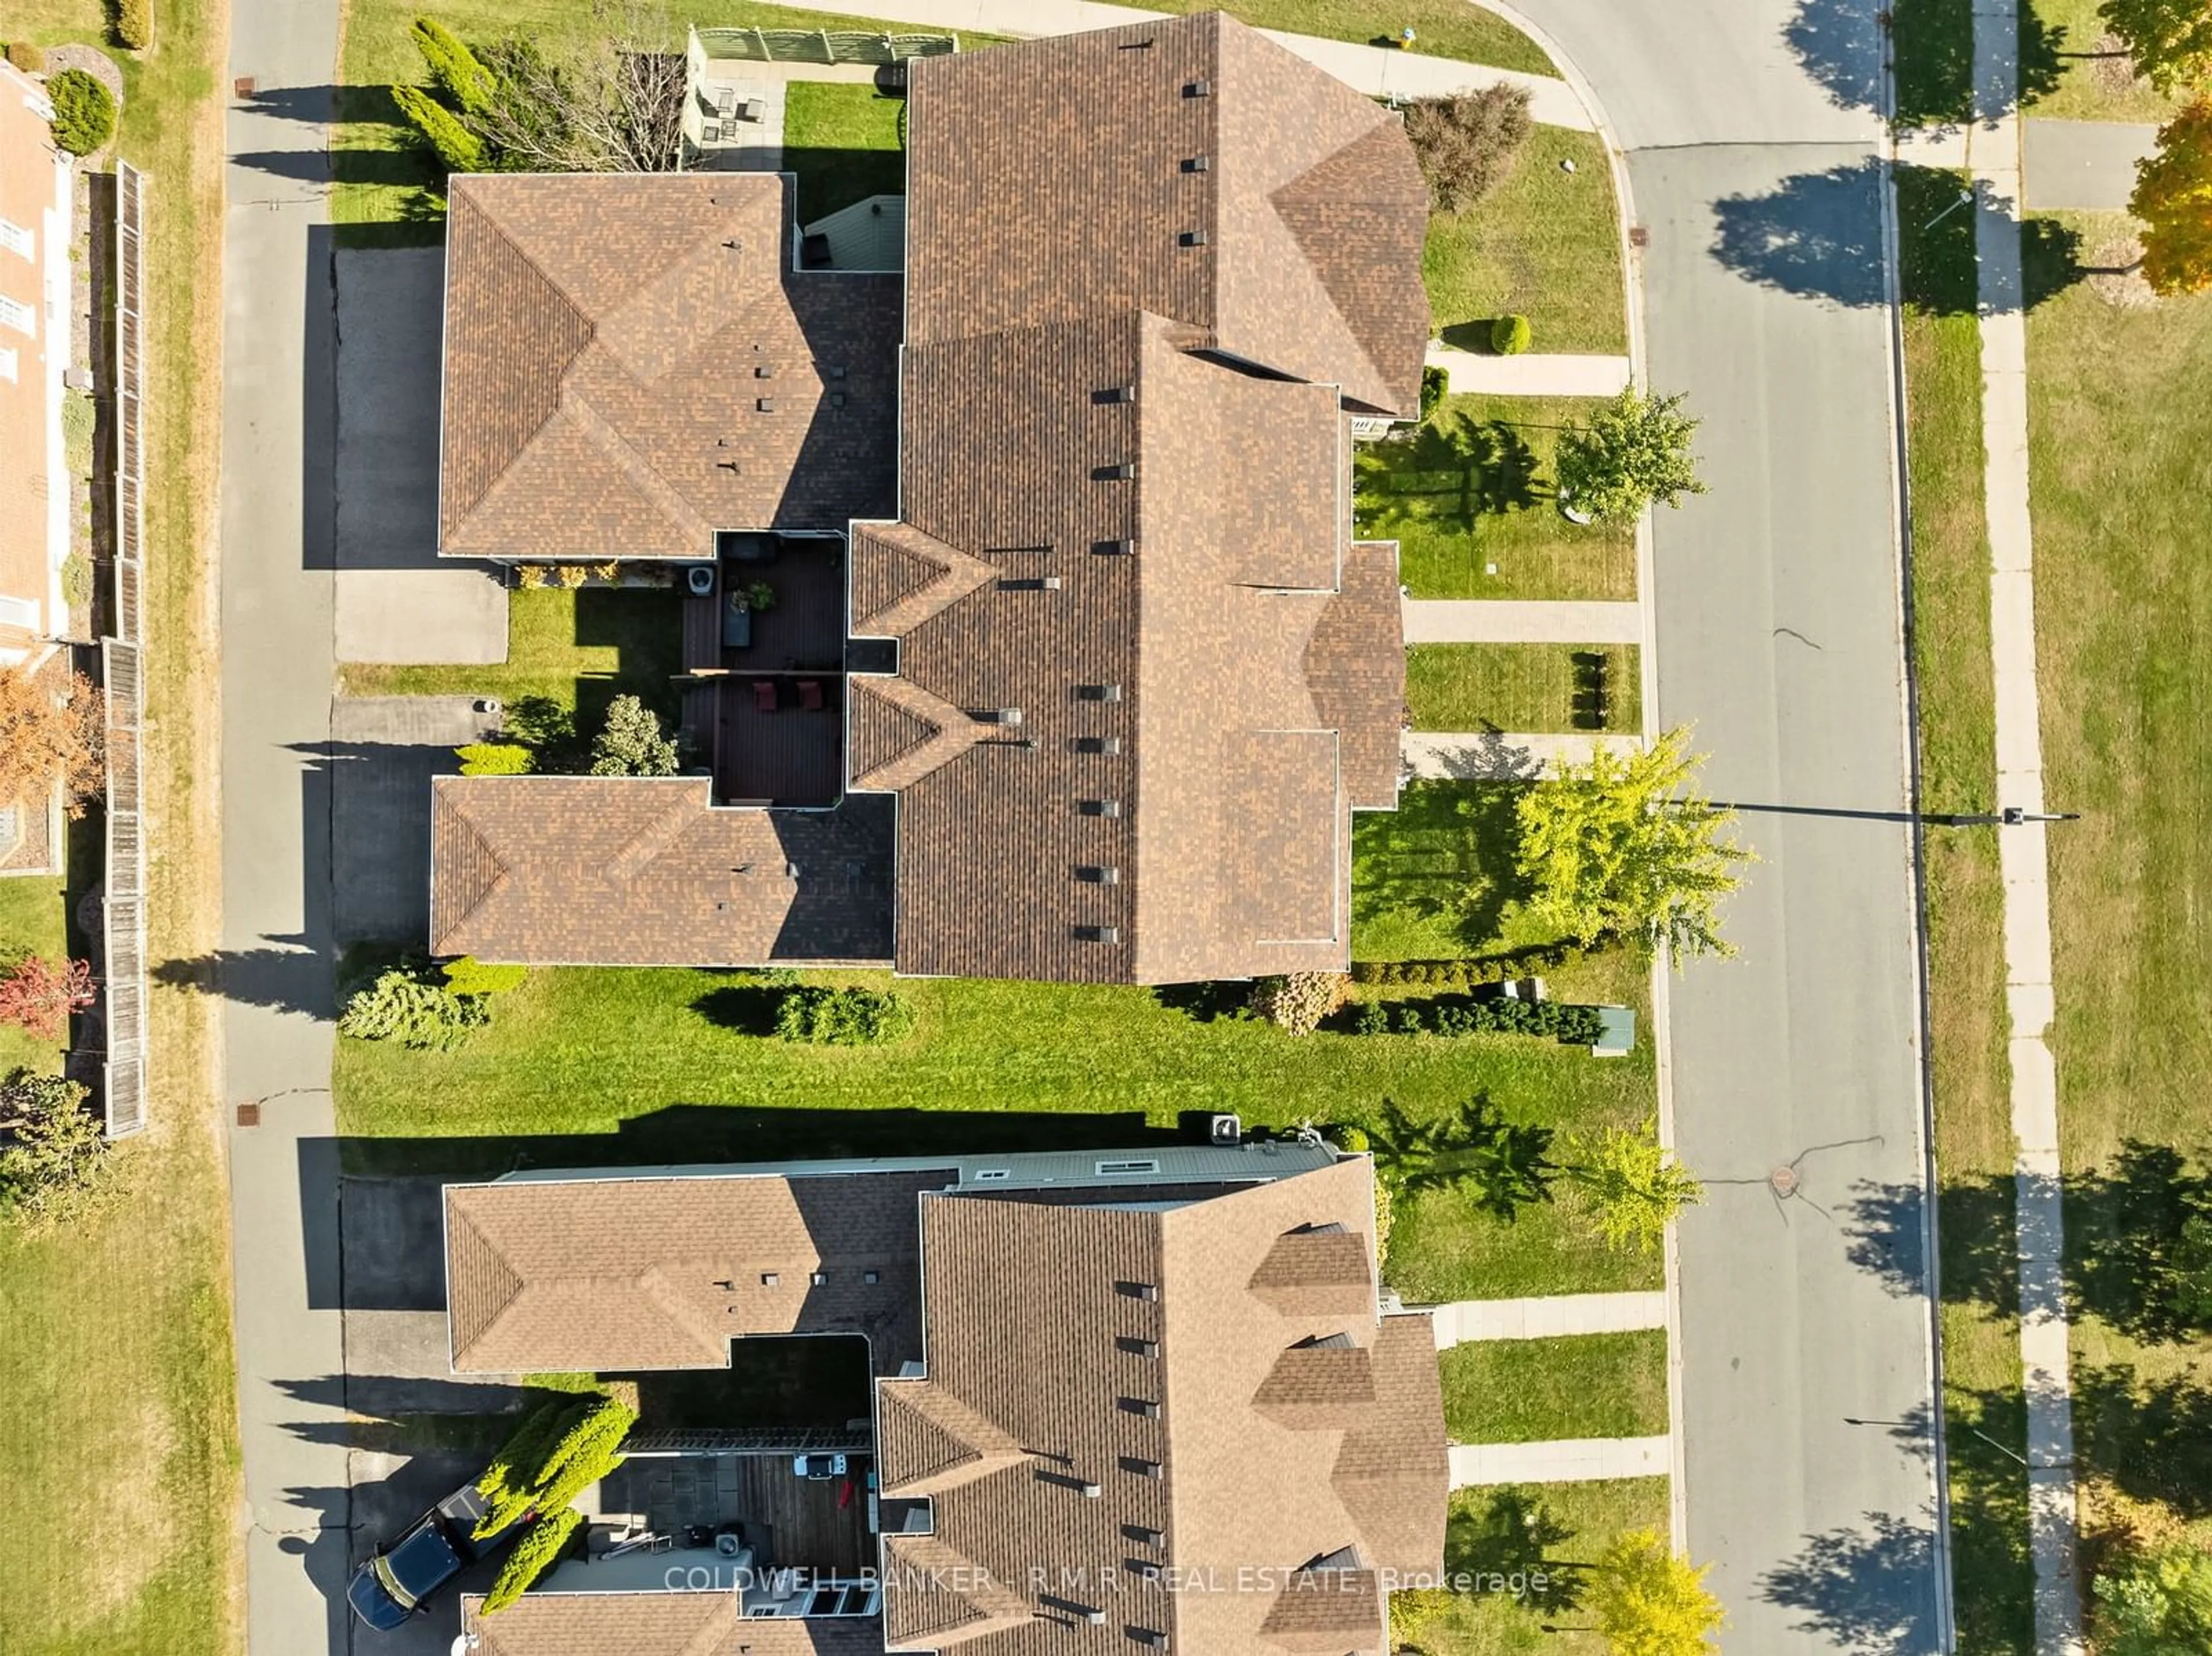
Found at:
(2171, 40)
(53, 728)
(1636, 1187)
(37, 996)
(2174, 199)
(53, 1154)
(1650, 1603)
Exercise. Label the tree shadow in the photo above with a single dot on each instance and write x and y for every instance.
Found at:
(1841, 47)
(1870, 1588)
(1510, 1533)
(2139, 1243)
(1455, 469)
(1884, 1228)
(295, 980)
(1446, 852)
(2152, 1438)
(747, 1009)
(1819, 235)
(1206, 1002)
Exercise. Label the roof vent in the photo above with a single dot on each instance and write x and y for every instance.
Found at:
(1138, 1532)
(1092, 1491)
(1192, 238)
(1198, 163)
(1126, 470)
(1144, 1406)
(763, 370)
(1098, 934)
(1137, 1348)
(1148, 1292)
(769, 1279)
(1098, 692)
(766, 404)
(1199, 88)
(1142, 1467)
(1099, 744)
(1099, 874)
(1144, 45)
(1030, 584)
(1149, 1638)
(995, 715)
(1114, 549)
(1115, 394)
(836, 399)
(1099, 807)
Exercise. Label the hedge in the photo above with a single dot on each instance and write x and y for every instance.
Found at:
(1509, 335)
(842, 1017)
(1570, 1024)
(26, 56)
(134, 23)
(1475, 968)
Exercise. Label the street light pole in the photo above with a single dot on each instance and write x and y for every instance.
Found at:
(2010, 816)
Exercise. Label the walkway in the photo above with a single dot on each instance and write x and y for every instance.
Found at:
(1378, 71)
(1569, 1460)
(2053, 1518)
(2079, 165)
(1465, 1320)
(1522, 620)
(1532, 375)
(1502, 755)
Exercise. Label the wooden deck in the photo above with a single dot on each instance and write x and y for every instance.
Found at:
(788, 1520)
(802, 631)
(788, 757)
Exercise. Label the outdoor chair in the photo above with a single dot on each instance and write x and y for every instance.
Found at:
(764, 696)
(809, 695)
(753, 109)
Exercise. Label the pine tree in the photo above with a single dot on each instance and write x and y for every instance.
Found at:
(459, 150)
(534, 1553)
(2173, 198)
(468, 85)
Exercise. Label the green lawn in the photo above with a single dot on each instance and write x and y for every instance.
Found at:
(1515, 1531)
(1992, 1577)
(843, 142)
(1443, 28)
(2082, 77)
(2117, 438)
(1545, 243)
(1523, 687)
(33, 920)
(577, 650)
(1472, 488)
(1575, 1387)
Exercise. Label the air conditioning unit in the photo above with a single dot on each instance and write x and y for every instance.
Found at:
(699, 580)
(1226, 1129)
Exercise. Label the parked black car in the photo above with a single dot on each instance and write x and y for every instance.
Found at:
(399, 1580)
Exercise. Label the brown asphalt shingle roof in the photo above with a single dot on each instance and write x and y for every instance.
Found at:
(609, 340)
(645, 871)
(658, 1624)
(604, 1274)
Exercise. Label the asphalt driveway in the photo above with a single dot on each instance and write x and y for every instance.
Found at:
(383, 751)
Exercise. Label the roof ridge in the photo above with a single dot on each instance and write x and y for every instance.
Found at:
(951, 732)
(509, 1278)
(961, 573)
(683, 1310)
(644, 848)
(639, 470)
(992, 1606)
(481, 891)
(991, 1448)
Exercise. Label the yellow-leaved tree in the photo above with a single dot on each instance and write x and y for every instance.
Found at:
(2173, 198)
(1650, 1603)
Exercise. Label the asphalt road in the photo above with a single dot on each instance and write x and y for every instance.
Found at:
(1754, 165)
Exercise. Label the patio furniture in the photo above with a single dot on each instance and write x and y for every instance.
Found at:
(809, 695)
(737, 620)
(764, 696)
(725, 99)
(753, 109)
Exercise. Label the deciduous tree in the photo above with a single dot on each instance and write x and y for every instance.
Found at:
(1620, 845)
(2171, 40)
(52, 1152)
(1637, 1188)
(1467, 141)
(1650, 1603)
(52, 728)
(37, 996)
(2173, 198)
(2157, 1603)
(1633, 453)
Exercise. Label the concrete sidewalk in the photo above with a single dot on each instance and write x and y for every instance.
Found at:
(2081, 166)
(1378, 71)
(1465, 1320)
(1522, 620)
(1569, 1460)
(1535, 375)
(1502, 755)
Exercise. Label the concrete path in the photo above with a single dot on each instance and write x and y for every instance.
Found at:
(1755, 163)
(277, 558)
(1379, 72)
(1570, 1460)
(2053, 1516)
(1521, 621)
(1465, 1320)
(2085, 166)
(1502, 755)
(1533, 375)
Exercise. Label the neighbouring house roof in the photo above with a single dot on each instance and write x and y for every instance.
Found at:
(1064, 181)
(34, 186)
(657, 1624)
(1245, 665)
(1254, 1412)
(610, 342)
(646, 870)
(606, 1274)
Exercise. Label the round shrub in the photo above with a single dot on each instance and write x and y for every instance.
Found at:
(26, 57)
(1509, 335)
(84, 111)
(1436, 386)
(1351, 1140)
(134, 23)
(1298, 1001)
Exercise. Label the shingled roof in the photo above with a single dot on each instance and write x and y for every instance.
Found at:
(1190, 167)
(1216, 1371)
(658, 1624)
(664, 1273)
(631, 364)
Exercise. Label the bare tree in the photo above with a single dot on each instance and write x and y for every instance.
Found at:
(613, 106)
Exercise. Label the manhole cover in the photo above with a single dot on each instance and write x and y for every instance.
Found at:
(1783, 1180)
(249, 1115)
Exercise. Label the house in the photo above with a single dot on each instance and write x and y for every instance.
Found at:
(1144, 1400)
(1071, 659)
(34, 352)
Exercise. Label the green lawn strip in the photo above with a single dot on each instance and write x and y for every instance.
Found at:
(579, 649)
(1443, 28)
(1578, 1385)
(2074, 73)
(2117, 436)
(1472, 488)
(1487, 1539)
(33, 920)
(842, 141)
(1526, 688)
(1544, 243)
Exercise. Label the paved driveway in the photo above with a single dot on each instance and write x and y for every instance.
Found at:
(394, 601)
(383, 751)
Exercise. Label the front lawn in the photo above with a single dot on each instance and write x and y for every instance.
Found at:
(2088, 76)
(1578, 1385)
(1443, 28)
(33, 920)
(1544, 243)
(577, 650)
(1470, 491)
(843, 142)
(1532, 689)
(1516, 1538)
